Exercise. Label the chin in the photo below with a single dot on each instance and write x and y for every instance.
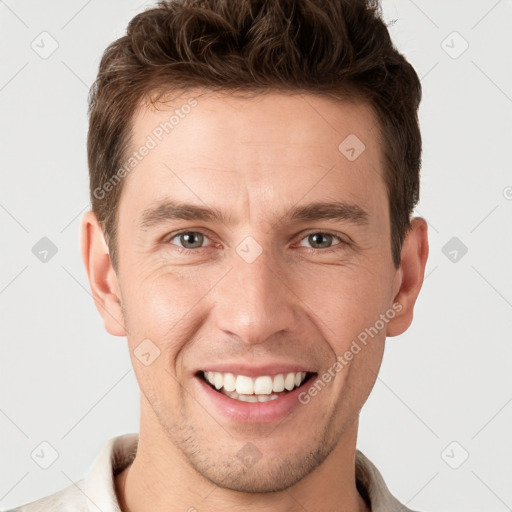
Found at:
(249, 471)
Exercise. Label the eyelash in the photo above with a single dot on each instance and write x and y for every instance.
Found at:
(184, 250)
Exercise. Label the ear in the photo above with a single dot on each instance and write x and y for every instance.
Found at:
(102, 277)
(409, 277)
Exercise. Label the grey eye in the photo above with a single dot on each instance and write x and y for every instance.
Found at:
(190, 239)
(320, 240)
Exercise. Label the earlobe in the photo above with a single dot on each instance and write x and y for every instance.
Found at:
(410, 275)
(102, 277)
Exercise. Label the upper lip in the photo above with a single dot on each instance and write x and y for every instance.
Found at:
(255, 371)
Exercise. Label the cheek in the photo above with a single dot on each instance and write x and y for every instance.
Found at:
(342, 301)
(167, 303)
(159, 321)
(163, 303)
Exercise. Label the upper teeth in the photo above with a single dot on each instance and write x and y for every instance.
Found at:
(263, 385)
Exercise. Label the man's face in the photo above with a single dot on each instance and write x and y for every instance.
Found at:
(260, 292)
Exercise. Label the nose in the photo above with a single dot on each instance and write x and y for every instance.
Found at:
(256, 301)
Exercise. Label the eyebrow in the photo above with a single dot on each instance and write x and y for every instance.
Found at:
(173, 210)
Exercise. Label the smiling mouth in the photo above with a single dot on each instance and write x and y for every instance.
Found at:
(259, 389)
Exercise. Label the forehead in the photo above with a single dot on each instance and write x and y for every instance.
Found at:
(262, 152)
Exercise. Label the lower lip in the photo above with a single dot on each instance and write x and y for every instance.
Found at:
(251, 412)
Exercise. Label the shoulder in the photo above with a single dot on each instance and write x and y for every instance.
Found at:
(69, 499)
(371, 485)
(96, 492)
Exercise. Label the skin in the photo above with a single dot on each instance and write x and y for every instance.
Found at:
(254, 158)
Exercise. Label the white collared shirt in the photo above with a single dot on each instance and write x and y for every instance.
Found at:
(96, 492)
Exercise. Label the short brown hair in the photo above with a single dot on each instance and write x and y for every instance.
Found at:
(336, 48)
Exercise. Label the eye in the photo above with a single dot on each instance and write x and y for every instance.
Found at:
(190, 240)
(322, 239)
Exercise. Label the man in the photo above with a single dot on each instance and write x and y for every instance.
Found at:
(253, 170)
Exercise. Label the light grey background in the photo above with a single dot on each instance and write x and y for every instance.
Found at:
(65, 381)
